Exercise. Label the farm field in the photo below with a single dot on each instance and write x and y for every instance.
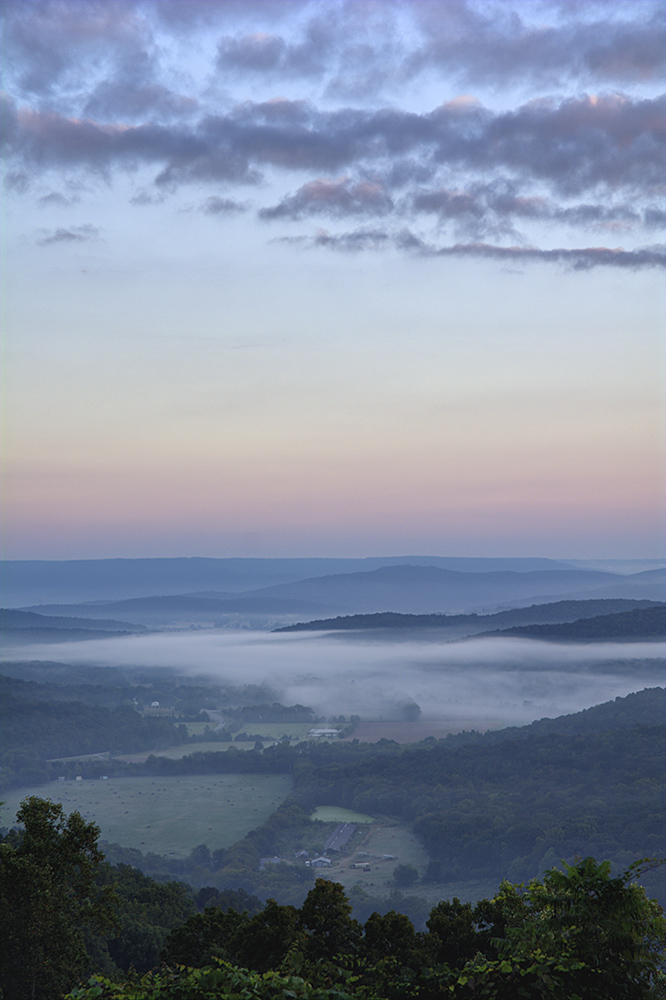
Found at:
(198, 728)
(268, 733)
(276, 730)
(185, 749)
(421, 729)
(388, 836)
(170, 815)
(182, 750)
(336, 814)
(383, 837)
(266, 730)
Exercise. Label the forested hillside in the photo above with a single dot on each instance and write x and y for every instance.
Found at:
(555, 611)
(504, 804)
(641, 624)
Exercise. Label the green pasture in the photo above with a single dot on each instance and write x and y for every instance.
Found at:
(269, 731)
(198, 728)
(165, 815)
(185, 749)
(274, 731)
(384, 837)
(388, 836)
(336, 814)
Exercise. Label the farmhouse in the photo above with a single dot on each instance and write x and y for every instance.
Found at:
(323, 734)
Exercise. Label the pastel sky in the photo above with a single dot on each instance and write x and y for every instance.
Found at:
(333, 277)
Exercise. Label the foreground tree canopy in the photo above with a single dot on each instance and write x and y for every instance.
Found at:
(48, 901)
(576, 934)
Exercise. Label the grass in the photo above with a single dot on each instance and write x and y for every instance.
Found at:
(166, 815)
(392, 837)
(335, 814)
(266, 730)
(198, 728)
(182, 750)
(276, 730)
(185, 749)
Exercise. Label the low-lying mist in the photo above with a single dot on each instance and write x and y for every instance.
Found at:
(505, 681)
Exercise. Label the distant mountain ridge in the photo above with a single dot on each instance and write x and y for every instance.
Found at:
(403, 588)
(430, 589)
(31, 582)
(27, 627)
(13, 618)
(538, 614)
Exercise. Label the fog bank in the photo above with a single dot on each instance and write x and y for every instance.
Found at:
(511, 680)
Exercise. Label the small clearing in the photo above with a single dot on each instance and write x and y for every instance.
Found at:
(421, 729)
(335, 814)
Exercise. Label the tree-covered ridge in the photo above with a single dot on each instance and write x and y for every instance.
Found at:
(641, 708)
(554, 612)
(14, 618)
(65, 729)
(639, 624)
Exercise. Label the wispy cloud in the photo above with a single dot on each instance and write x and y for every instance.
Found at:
(54, 198)
(332, 197)
(214, 205)
(576, 259)
(75, 234)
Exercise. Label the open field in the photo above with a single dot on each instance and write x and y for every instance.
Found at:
(182, 750)
(166, 815)
(370, 844)
(421, 729)
(388, 836)
(336, 814)
(198, 728)
(185, 749)
(271, 731)
(276, 730)
(265, 730)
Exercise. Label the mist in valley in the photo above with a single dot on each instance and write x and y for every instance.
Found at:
(496, 681)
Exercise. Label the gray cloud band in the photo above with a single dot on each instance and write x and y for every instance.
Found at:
(574, 145)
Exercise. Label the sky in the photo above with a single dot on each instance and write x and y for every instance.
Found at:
(332, 278)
